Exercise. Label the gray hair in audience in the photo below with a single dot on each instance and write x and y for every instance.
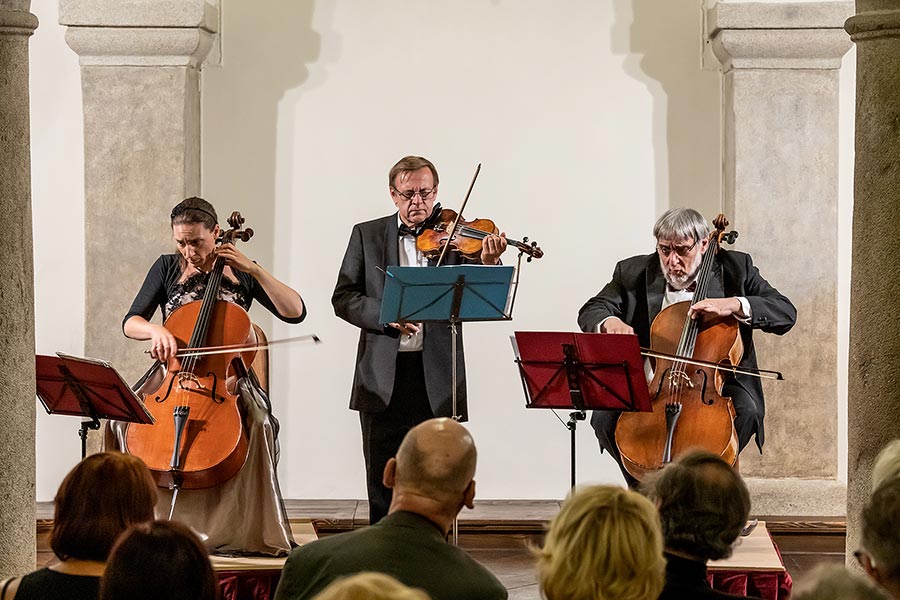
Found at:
(835, 582)
(703, 505)
(881, 529)
(887, 464)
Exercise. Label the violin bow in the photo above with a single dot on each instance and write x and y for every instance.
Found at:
(458, 216)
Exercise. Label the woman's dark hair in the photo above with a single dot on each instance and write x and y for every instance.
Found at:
(162, 559)
(101, 497)
(194, 210)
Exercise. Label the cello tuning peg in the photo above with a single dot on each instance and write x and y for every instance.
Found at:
(525, 240)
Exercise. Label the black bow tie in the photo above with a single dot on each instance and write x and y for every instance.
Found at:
(404, 230)
(691, 288)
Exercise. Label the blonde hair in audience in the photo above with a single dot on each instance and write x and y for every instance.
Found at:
(887, 464)
(605, 544)
(370, 586)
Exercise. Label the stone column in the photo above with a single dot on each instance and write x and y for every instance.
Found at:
(17, 521)
(874, 396)
(140, 72)
(780, 65)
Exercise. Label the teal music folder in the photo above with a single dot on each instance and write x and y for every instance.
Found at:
(454, 292)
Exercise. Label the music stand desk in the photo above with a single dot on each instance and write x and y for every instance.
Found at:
(86, 387)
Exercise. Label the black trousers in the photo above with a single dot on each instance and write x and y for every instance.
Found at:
(382, 432)
(746, 422)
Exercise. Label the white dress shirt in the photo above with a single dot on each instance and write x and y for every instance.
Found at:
(410, 256)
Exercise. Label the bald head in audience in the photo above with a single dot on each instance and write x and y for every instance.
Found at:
(433, 472)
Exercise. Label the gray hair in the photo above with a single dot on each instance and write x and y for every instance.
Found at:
(835, 582)
(887, 464)
(681, 223)
(881, 529)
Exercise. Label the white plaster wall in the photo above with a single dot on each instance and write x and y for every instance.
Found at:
(589, 118)
(57, 168)
(588, 121)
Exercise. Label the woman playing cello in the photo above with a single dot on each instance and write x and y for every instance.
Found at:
(245, 513)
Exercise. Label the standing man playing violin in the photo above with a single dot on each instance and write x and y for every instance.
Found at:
(643, 285)
(403, 370)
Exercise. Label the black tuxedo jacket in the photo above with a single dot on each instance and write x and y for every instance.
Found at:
(357, 297)
(637, 289)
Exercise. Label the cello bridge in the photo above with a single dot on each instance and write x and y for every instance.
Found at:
(678, 378)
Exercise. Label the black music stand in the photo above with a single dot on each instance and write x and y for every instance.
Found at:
(581, 371)
(450, 294)
(86, 387)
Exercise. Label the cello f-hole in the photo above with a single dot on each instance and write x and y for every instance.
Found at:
(168, 391)
(703, 397)
(662, 379)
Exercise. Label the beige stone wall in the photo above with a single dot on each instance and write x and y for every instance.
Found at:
(780, 111)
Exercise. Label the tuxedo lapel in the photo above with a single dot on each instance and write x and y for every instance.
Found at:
(656, 289)
(391, 242)
(716, 287)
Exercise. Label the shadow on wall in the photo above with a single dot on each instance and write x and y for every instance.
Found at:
(267, 47)
(661, 41)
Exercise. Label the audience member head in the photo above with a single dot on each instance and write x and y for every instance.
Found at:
(703, 506)
(101, 497)
(370, 586)
(433, 471)
(880, 551)
(161, 559)
(835, 582)
(604, 543)
(887, 464)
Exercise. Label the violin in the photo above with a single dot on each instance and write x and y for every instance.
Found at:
(198, 439)
(445, 227)
(688, 410)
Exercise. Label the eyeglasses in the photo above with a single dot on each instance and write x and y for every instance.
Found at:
(680, 250)
(409, 195)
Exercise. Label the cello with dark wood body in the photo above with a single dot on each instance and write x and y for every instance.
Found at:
(688, 409)
(198, 439)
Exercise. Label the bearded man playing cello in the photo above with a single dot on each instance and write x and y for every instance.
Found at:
(643, 285)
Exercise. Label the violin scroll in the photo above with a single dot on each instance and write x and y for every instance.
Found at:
(532, 249)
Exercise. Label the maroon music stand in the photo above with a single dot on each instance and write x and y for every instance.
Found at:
(581, 371)
(86, 387)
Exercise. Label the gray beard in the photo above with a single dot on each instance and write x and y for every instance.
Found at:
(682, 282)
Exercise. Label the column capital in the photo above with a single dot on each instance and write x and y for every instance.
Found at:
(873, 24)
(778, 34)
(139, 33)
(15, 18)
